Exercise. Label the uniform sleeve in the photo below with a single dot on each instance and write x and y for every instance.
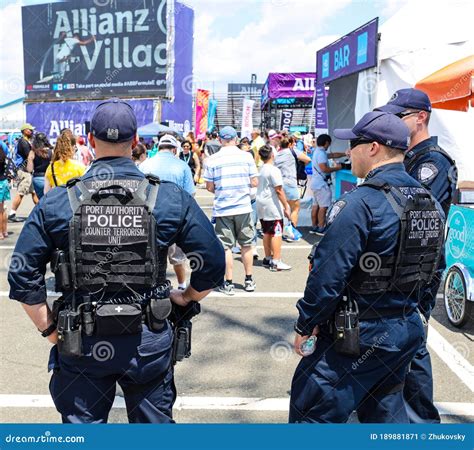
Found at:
(29, 259)
(335, 257)
(435, 173)
(203, 249)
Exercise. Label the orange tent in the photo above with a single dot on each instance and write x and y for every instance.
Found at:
(451, 87)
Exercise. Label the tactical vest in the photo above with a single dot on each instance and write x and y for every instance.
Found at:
(419, 245)
(112, 241)
(411, 159)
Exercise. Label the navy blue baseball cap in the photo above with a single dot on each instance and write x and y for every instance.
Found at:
(228, 133)
(405, 99)
(114, 121)
(381, 127)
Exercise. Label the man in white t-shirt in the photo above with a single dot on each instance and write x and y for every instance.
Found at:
(320, 180)
(271, 206)
(230, 174)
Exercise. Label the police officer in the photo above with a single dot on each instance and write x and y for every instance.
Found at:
(428, 163)
(361, 295)
(108, 235)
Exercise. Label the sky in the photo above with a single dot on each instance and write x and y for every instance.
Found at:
(233, 39)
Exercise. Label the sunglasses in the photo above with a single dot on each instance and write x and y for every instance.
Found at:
(359, 141)
(401, 115)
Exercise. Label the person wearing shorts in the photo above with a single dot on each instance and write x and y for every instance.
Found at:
(285, 160)
(322, 196)
(271, 206)
(230, 174)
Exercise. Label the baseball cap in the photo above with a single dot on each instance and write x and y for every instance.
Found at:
(297, 134)
(27, 126)
(405, 99)
(228, 133)
(114, 121)
(168, 140)
(378, 126)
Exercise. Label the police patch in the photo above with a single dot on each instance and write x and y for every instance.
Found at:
(335, 210)
(427, 172)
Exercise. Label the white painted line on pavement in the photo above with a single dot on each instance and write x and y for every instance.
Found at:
(7, 247)
(214, 403)
(451, 357)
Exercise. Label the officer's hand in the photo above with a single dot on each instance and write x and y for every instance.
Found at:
(299, 340)
(176, 296)
(53, 337)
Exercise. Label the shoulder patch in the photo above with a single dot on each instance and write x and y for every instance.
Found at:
(427, 172)
(336, 208)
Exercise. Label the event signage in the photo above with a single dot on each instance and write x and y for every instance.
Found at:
(202, 108)
(321, 115)
(286, 118)
(52, 117)
(211, 115)
(96, 49)
(247, 123)
(352, 53)
(245, 89)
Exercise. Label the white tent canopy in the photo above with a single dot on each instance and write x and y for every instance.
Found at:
(418, 40)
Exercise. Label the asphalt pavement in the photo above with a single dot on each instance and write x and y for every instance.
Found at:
(242, 360)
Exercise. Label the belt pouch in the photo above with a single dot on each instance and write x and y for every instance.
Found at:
(113, 320)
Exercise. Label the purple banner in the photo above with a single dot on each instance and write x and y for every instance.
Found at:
(51, 118)
(321, 108)
(290, 85)
(352, 53)
(179, 113)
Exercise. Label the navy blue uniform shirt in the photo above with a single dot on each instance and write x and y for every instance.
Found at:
(433, 170)
(179, 220)
(362, 224)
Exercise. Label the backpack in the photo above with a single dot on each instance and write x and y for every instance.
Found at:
(301, 174)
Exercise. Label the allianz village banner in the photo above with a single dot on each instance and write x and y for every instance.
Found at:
(52, 117)
(95, 49)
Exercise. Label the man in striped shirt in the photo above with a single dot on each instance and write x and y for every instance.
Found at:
(230, 174)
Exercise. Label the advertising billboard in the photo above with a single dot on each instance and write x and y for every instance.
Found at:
(86, 49)
(352, 53)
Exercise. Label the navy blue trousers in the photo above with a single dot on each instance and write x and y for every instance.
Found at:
(328, 386)
(83, 389)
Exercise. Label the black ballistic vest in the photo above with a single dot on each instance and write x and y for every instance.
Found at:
(419, 244)
(112, 242)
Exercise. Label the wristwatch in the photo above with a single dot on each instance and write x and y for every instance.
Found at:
(50, 330)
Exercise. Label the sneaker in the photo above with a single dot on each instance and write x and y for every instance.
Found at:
(236, 250)
(320, 231)
(250, 285)
(279, 266)
(314, 230)
(13, 218)
(266, 262)
(255, 254)
(227, 289)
